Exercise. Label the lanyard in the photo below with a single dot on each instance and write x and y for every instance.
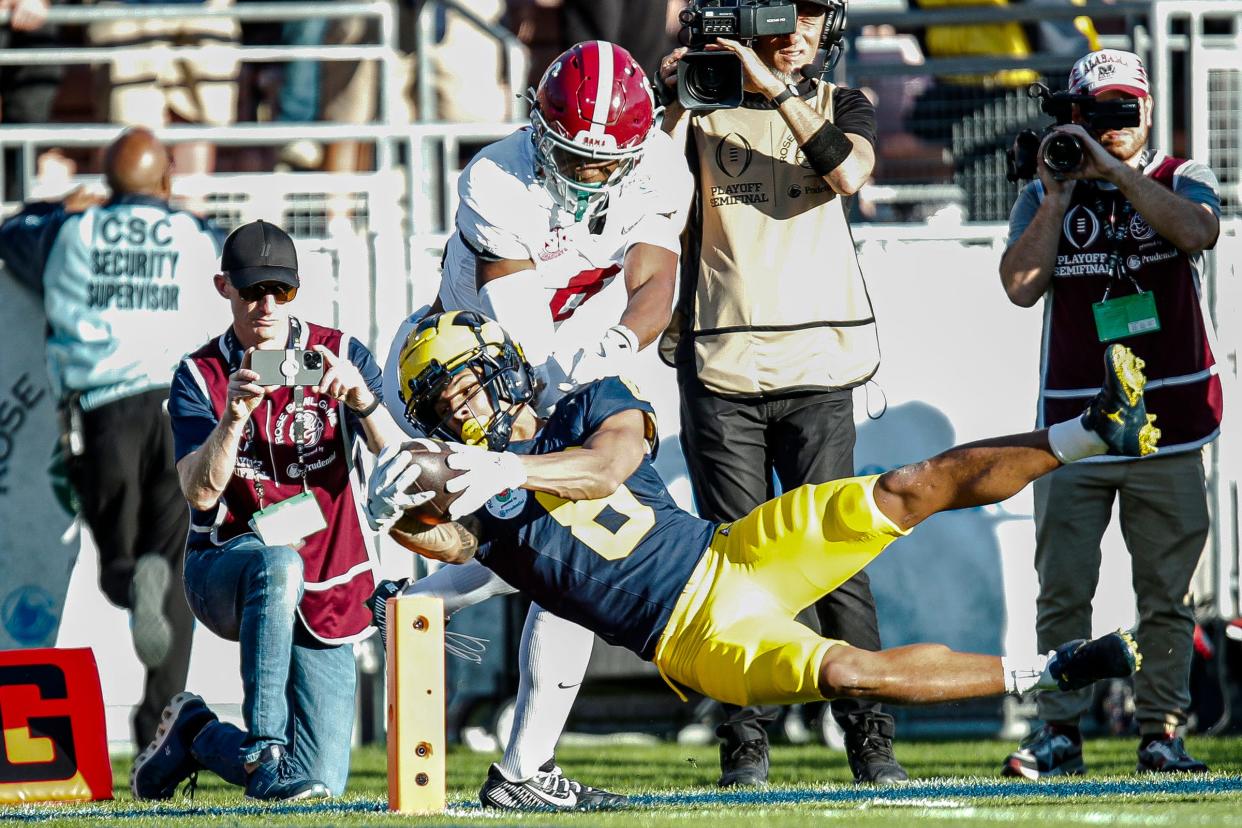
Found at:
(299, 429)
(1117, 232)
(299, 398)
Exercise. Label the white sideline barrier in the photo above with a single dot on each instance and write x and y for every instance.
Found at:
(959, 363)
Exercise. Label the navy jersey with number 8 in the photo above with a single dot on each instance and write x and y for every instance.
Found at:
(616, 564)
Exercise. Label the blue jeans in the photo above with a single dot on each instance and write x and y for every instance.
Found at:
(298, 99)
(297, 692)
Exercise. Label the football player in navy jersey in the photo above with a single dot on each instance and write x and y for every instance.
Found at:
(572, 512)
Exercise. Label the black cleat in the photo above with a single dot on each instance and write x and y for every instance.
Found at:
(744, 766)
(869, 748)
(1168, 756)
(1118, 414)
(1049, 751)
(378, 604)
(547, 791)
(167, 761)
(1077, 664)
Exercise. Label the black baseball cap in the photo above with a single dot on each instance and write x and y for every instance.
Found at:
(259, 252)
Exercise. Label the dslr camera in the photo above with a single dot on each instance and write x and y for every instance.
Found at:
(713, 79)
(1064, 153)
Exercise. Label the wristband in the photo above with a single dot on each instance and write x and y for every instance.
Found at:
(370, 409)
(827, 148)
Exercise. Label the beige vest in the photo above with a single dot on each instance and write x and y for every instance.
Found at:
(778, 302)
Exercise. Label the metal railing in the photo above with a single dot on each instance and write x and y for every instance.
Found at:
(1132, 12)
(972, 123)
(1210, 95)
(385, 52)
(516, 63)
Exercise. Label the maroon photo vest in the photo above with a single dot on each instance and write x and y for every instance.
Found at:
(1183, 389)
(338, 563)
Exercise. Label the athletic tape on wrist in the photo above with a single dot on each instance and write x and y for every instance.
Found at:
(827, 148)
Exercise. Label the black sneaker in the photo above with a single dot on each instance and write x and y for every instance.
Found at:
(744, 765)
(548, 790)
(1118, 413)
(869, 748)
(275, 780)
(1077, 664)
(1168, 755)
(167, 761)
(1049, 751)
(378, 604)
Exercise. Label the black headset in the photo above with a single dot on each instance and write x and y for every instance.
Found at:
(831, 45)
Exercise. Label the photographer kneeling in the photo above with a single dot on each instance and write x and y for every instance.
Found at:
(1115, 242)
(278, 557)
(773, 327)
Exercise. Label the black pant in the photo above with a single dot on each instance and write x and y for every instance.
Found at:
(636, 25)
(26, 94)
(130, 496)
(732, 448)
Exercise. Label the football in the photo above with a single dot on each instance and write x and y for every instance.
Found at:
(431, 456)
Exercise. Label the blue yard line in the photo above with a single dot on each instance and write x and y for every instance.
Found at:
(939, 789)
(1066, 789)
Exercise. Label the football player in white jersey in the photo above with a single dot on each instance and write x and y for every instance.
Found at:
(567, 234)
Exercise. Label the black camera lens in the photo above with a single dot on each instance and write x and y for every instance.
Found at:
(312, 360)
(1063, 153)
(709, 80)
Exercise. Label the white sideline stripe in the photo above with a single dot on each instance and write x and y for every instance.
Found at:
(1002, 814)
(603, 87)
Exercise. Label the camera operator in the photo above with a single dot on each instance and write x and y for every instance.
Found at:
(278, 558)
(774, 327)
(1116, 245)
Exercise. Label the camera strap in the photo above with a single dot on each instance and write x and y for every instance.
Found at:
(1128, 315)
(1115, 215)
(299, 399)
(298, 429)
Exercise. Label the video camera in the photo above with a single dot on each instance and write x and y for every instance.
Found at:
(1064, 153)
(713, 79)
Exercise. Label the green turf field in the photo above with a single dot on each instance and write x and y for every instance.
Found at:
(954, 783)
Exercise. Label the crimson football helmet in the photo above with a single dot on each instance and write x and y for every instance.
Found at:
(594, 108)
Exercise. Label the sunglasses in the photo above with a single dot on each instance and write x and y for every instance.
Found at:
(279, 291)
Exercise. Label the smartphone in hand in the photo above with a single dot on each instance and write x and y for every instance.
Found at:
(291, 366)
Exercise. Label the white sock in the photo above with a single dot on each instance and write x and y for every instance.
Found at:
(1025, 675)
(1071, 440)
(552, 663)
(460, 586)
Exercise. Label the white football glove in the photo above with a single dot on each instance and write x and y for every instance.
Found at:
(619, 343)
(611, 356)
(387, 495)
(485, 474)
(565, 371)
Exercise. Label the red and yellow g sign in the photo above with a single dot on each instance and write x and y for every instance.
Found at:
(55, 746)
